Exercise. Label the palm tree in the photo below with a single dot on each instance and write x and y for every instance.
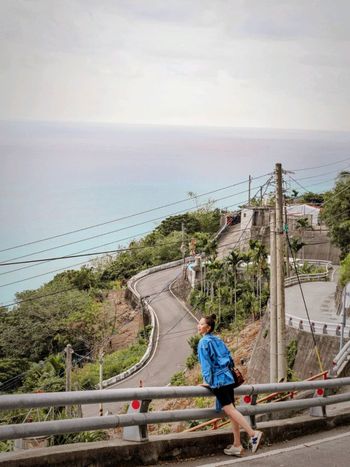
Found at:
(302, 225)
(258, 254)
(232, 261)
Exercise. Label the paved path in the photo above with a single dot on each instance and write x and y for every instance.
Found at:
(319, 297)
(175, 326)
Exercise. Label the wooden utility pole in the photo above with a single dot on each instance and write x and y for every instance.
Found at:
(281, 324)
(273, 299)
(69, 352)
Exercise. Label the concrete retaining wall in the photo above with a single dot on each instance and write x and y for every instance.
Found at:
(306, 363)
(164, 448)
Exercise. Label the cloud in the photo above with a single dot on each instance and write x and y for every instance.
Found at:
(247, 62)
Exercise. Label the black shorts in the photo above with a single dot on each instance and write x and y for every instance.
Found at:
(225, 394)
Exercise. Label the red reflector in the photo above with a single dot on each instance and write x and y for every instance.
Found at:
(247, 399)
(135, 405)
(320, 392)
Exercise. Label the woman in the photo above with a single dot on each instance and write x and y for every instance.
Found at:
(215, 358)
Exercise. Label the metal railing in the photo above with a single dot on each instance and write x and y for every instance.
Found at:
(318, 327)
(341, 360)
(8, 402)
(320, 276)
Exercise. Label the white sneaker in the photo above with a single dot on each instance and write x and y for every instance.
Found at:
(255, 440)
(234, 451)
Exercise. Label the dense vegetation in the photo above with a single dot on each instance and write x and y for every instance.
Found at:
(234, 287)
(336, 213)
(72, 308)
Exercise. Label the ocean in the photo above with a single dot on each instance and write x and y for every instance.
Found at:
(61, 177)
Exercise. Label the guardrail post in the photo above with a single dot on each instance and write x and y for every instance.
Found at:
(250, 400)
(319, 411)
(138, 432)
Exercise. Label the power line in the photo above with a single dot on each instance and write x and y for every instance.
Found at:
(118, 250)
(330, 198)
(80, 251)
(129, 215)
(62, 269)
(14, 303)
(321, 175)
(321, 166)
(122, 228)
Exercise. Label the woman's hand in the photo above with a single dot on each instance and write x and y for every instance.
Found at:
(205, 385)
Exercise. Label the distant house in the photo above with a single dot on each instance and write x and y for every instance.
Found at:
(298, 211)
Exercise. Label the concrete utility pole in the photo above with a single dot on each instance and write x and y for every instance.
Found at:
(273, 299)
(287, 248)
(183, 251)
(281, 324)
(100, 361)
(249, 189)
(69, 352)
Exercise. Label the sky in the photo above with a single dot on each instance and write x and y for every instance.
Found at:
(235, 63)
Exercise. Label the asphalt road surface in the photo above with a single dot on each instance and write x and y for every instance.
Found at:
(176, 325)
(325, 449)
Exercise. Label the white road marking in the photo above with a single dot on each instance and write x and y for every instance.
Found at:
(276, 451)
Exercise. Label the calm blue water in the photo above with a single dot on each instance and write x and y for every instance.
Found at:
(60, 177)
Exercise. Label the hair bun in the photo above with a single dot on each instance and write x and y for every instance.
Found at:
(213, 316)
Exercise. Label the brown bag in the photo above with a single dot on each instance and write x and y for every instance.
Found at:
(237, 376)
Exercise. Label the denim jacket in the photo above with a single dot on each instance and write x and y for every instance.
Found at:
(214, 358)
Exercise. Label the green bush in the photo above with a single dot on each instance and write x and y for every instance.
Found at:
(114, 364)
(345, 270)
(178, 379)
(82, 437)
(191, 361)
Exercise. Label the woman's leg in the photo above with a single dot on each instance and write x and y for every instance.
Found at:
(236, 434)
(237, 418)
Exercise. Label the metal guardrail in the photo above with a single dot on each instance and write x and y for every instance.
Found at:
(318, 327)
(8, 402)
(320, 276)
(341, 360)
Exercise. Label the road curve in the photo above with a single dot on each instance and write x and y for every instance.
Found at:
(176, 325)
(319, 297)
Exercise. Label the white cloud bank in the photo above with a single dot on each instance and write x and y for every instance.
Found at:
(255, 63)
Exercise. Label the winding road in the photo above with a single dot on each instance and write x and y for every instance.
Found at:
(175, 326)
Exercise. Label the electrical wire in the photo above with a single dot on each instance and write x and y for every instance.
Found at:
(321, 166)
(304, 301)
(122, 228)
(130, 215)
(14, 303)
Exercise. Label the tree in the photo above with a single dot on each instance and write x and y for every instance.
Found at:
(336, 214)
(233, 261)
(312, 198)
(345, 270)
(174, 223)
